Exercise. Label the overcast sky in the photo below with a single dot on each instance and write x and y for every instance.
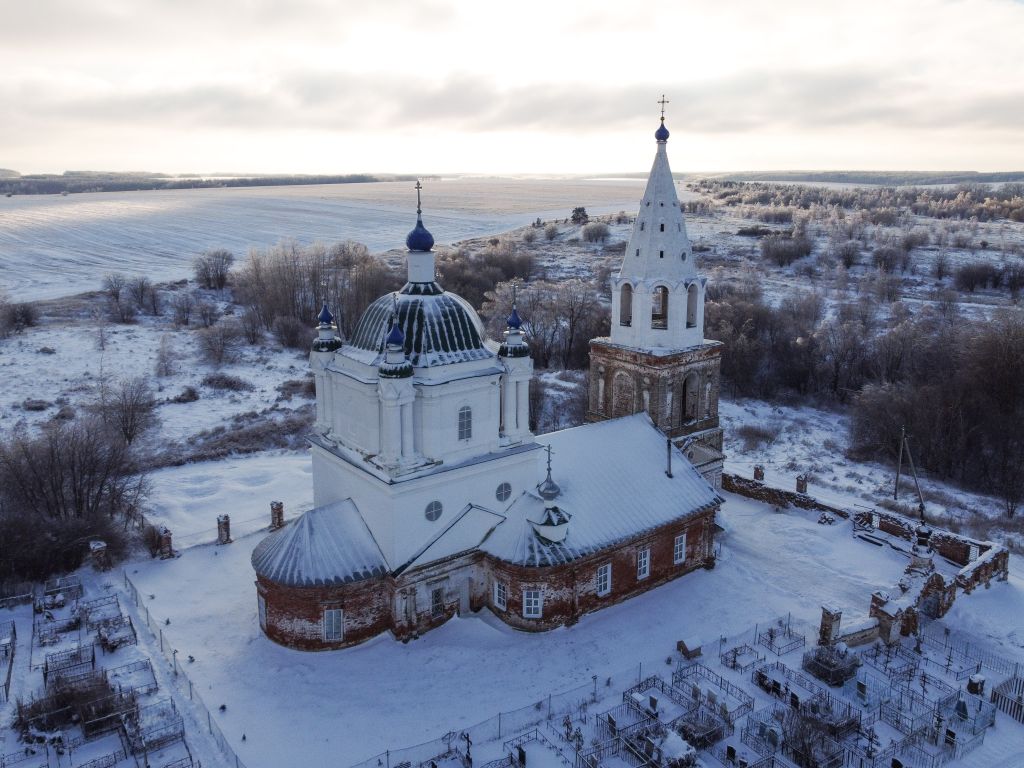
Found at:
(520, 86)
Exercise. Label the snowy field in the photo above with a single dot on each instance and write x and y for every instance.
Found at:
(53, 245)
(343, 707)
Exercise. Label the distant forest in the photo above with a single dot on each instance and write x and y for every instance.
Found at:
(872, 178)
(12, 183)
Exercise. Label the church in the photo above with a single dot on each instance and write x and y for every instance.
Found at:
(433, 498)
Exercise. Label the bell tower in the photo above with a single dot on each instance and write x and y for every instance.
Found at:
(657, 359)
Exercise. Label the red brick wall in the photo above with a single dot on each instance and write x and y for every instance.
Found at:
(295, 614)
(571, 591)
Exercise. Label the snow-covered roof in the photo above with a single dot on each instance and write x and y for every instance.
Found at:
(326, 545)
(614, 486)
(464, 533)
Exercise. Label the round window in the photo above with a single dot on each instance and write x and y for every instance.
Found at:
(433, 510)
(503, 492)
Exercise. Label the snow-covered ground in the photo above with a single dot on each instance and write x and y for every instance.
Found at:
(341, 707)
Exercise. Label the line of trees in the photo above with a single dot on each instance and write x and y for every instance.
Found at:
(956, 383)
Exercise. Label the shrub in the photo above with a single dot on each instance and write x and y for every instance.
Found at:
(165, 358)
(228, 382)
(754, 435)
(529, 236)
(18, 317)
(886, 258)
(212, 268)
(941, 265)
(551, 231)
(579, 215)
(596, 232)
(182, 305)
(129, 410)
(785, 250)
(207, 312)
(291, 333)
(139, 289)
(218, 344)
(301, 387)
(848, 253)
(187, 395)
(979, 274)
(33, 404)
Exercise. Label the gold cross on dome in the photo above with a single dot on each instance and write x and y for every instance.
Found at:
(418, 188)
(663, 101)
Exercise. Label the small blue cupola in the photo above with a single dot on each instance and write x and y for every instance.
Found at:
(514, 321)
(325, 317)
(419, 239)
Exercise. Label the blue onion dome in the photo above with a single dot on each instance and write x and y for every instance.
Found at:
(325, 317)
(662, 133)
(395, 336)
(419, 239)
(514, 321)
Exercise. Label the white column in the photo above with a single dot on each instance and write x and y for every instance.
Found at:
(407, 433)
(508, 404)
(523, 405)
(391, 432)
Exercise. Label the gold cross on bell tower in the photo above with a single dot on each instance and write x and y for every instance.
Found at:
(663, 101)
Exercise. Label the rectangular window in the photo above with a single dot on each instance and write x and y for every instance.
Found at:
(679, 549)
(500, 596)
(643, 563)
(333, 625)
(533, 604)
(604, 579)
(465, 423)
(437, 602)
(261, 604)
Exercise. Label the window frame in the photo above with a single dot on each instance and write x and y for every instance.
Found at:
(330, 618)
(465, 423)
(603, 574)
(500, 596)
(679, 549)
(436, 602)
(427, 510)
(503, 492)
(643, 563)
(533, 607)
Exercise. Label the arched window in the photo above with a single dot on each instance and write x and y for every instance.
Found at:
(465, 422)
(690, 394)
(659, 307)
(692, 301)
(662, 227)
(623, 395)
(626, 305)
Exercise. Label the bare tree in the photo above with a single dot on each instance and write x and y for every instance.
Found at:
(129, 409)
(182, 305)
(212, 268)
(218, 344)
(165, 357)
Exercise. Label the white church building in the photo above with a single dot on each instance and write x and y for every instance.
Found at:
(433, 498)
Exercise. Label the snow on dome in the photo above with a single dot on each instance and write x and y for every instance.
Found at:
(438, 329)
(662, 133)
(419, 239)
(601, 465)
(325, 546)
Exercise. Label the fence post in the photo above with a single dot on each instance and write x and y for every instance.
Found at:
(499, 725)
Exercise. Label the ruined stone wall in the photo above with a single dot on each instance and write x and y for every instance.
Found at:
(775, 496)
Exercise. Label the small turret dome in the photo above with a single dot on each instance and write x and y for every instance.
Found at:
(419, 239)
(662, 133)
(514, 321)
(325, 317)
(395, 336)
